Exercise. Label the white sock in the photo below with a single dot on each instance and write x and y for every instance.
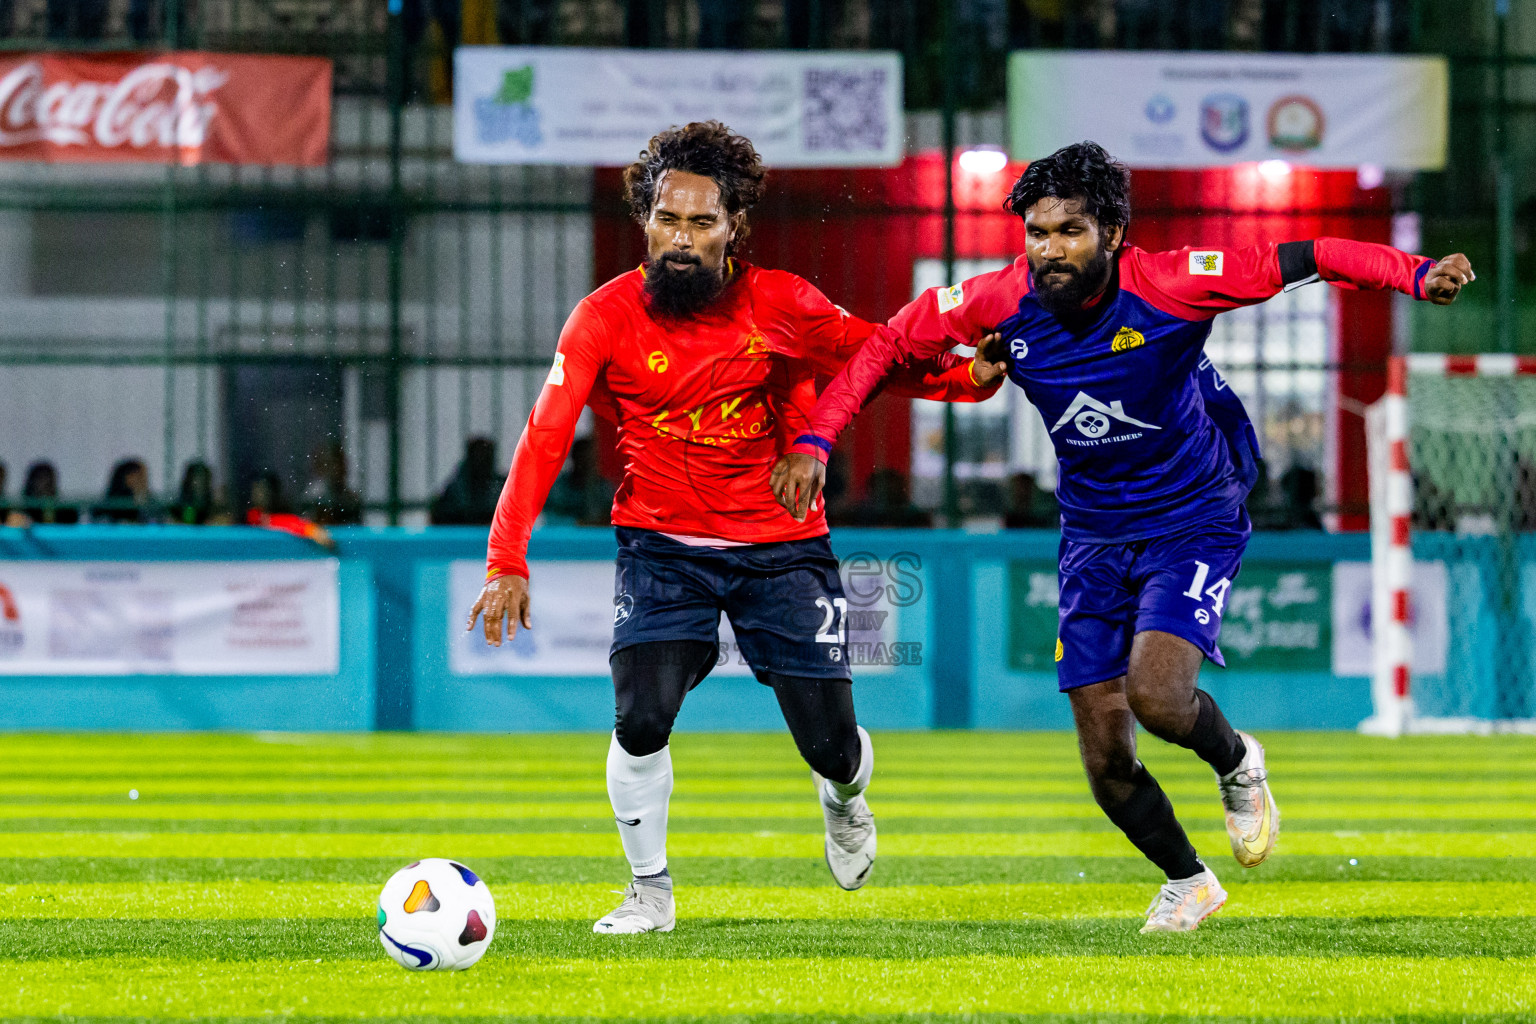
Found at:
(638, 789)
(841, 794)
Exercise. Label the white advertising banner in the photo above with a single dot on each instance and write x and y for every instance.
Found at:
(555, 105)
(1353, 615)
(169, 618)
(1159, 109)
(573, 614)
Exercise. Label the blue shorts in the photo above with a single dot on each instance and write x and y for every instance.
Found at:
(785, 600)
(1176, 583)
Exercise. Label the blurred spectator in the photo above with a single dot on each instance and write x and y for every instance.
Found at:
(10, 516)
(127, 499)
(1263, 511)
(40, 497)
(1298, 496)
(269, 510)
(470, 497)
(580, 494)
(200, 504)
(1030, 508)
(266, 496)
(887, 502)
(327, 499)
(77, 19)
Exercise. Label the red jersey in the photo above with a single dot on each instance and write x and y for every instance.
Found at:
(704, 405)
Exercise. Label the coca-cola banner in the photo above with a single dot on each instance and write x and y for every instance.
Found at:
(185, 108)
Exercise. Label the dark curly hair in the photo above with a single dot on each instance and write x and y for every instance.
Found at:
(1080, 171)
(703, 147)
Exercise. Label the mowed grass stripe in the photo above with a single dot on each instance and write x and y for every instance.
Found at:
(765, 871)
(1375, 987)
(986, 902)
(603, 842)
(276, 788)
(353, 939)
(710, 808)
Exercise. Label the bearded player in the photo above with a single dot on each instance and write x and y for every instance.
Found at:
(708, 366)
(1156, 457)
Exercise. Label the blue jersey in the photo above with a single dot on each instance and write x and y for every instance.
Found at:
(1148, 436)
(1121, 393)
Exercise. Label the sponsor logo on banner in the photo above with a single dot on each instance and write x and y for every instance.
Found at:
(1160, 109)
(1224, 121)
(509, 115)
(1168, 109)
(568, 105)
(1295, 124)
(186, 108)
(169, 618)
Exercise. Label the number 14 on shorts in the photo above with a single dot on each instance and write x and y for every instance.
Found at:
(1217, 592)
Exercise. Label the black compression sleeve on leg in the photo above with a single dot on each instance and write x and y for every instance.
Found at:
(649, 684)
(1146, 817)
(819, 713)
(1213, 738)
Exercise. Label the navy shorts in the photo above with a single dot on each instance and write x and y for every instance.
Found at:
(1176, 583)
(784, 600)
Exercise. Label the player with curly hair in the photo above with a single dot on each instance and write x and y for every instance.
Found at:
(1156, 458)
(707, 364)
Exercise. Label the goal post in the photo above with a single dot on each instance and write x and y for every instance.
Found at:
(1452, 465)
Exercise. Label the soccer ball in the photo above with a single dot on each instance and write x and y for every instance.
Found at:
(436, 915)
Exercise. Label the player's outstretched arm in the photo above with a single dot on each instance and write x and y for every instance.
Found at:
(1198, 284)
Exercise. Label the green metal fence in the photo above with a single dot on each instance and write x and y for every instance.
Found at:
(395, 303)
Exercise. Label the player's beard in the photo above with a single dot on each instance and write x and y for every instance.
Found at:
(1065, 297)
(674, 292)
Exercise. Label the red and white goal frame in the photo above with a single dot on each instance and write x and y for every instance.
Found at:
(1392, 527)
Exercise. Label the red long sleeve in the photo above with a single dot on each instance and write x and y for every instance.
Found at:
(1199, 283)
(917, 341)
(1370, 267)
(546, 440)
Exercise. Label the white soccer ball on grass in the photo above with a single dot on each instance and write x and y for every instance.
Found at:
(436, 915)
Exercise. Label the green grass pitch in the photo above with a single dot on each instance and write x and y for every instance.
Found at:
(241, 884)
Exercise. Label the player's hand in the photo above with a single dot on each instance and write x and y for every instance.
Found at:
(797, 480)
(1445, 279)
(991, 360)
(503, 597)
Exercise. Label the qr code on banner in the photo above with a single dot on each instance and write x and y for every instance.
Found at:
(846, 110)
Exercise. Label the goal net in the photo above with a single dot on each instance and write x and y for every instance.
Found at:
(1453, 512)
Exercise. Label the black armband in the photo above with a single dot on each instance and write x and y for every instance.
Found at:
(1298, 262)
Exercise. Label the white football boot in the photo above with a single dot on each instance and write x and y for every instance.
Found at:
(850, 845)
(1181, 906)
(1253, 817)
(645, 908)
